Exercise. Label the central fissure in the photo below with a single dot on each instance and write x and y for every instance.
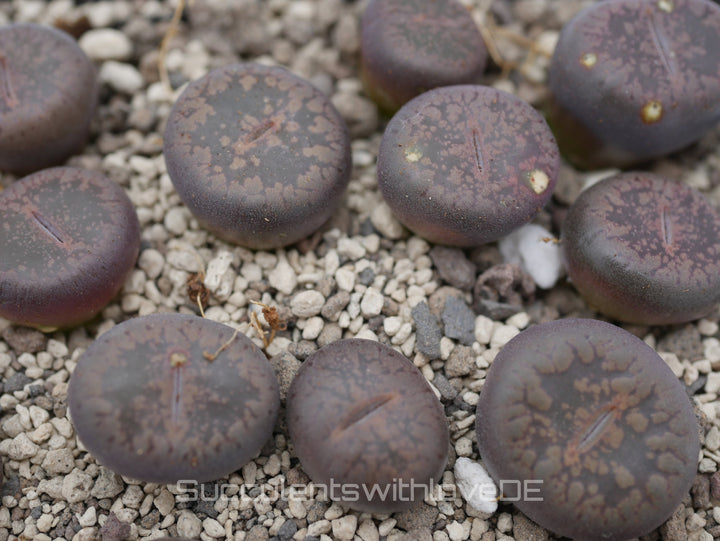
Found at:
(48, 227)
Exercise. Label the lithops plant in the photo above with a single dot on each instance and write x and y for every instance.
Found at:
(410, 46)
(598, 423)
(171, 397)
(635, 79)
(465, 165)
(69, 237)
(260, 156)
(363, 419)
(644, 249)
(48, 94)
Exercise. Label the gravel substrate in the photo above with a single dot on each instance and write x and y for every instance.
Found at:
(363, 275)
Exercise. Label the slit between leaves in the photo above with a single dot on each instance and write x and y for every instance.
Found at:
(6, 86)
(660, 41)
(595, 431)
(667, 229)
(362, 411)
(48, 227)
(176, 406)
(479, 162)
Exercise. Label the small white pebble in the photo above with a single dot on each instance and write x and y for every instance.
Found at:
(307, 303)
(313, 328)
(504, 523)
(483, 329)
(106, 44)
(213, 528)
(121, 76)
(707, 327)
(283, 277)
(175, 221)
(475, 485)
(386, 526)
(458, 531)
(712, 439)
(503, 334)
(371, 303)
(351, 249)
(345, 279)
(344, 528)
(392, 324)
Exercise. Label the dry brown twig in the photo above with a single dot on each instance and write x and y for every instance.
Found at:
(165, 44)
(490, 33)
(212, 356)
(273, 319)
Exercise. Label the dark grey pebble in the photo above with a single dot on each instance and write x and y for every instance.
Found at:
(287, 530)
(454, 267)
(447, 391)
(427, 331)
(16, 382)
(459, 321)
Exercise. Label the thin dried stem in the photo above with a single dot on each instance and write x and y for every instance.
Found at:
(165, 44)
(212, 356)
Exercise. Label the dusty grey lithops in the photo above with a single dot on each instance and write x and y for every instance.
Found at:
(465, 165)
(633, 80)
(172, 397)
(644, 249)
(366, 424)
(260, 156)
(48, 94)
(587, 430)
(410, 46)
(69, 237)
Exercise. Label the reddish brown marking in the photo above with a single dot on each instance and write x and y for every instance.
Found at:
(258, 131)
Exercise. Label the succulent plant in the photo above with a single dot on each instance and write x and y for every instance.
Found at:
(411, 46)
(597, 421)
(362, 418)
(633, 80)
(69, 237)
(465, 165)
(259, 155)
(48, 94)
(644, 249)
(171, 397)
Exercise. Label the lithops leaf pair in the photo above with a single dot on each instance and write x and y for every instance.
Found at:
(633, 80)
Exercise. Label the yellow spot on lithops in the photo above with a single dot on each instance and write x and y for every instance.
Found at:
(588, 60)
(412, 155)
(178, 359)
(538, 180)
(652, 112)
(666, 5)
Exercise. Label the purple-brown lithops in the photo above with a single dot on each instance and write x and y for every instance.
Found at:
(260, 156)
(172, 397)
(69, 237)
(587, 430)
(410, 46)
(644, 249)
(465, 165)
(48, 93)
(635, 79)
(367, 426)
